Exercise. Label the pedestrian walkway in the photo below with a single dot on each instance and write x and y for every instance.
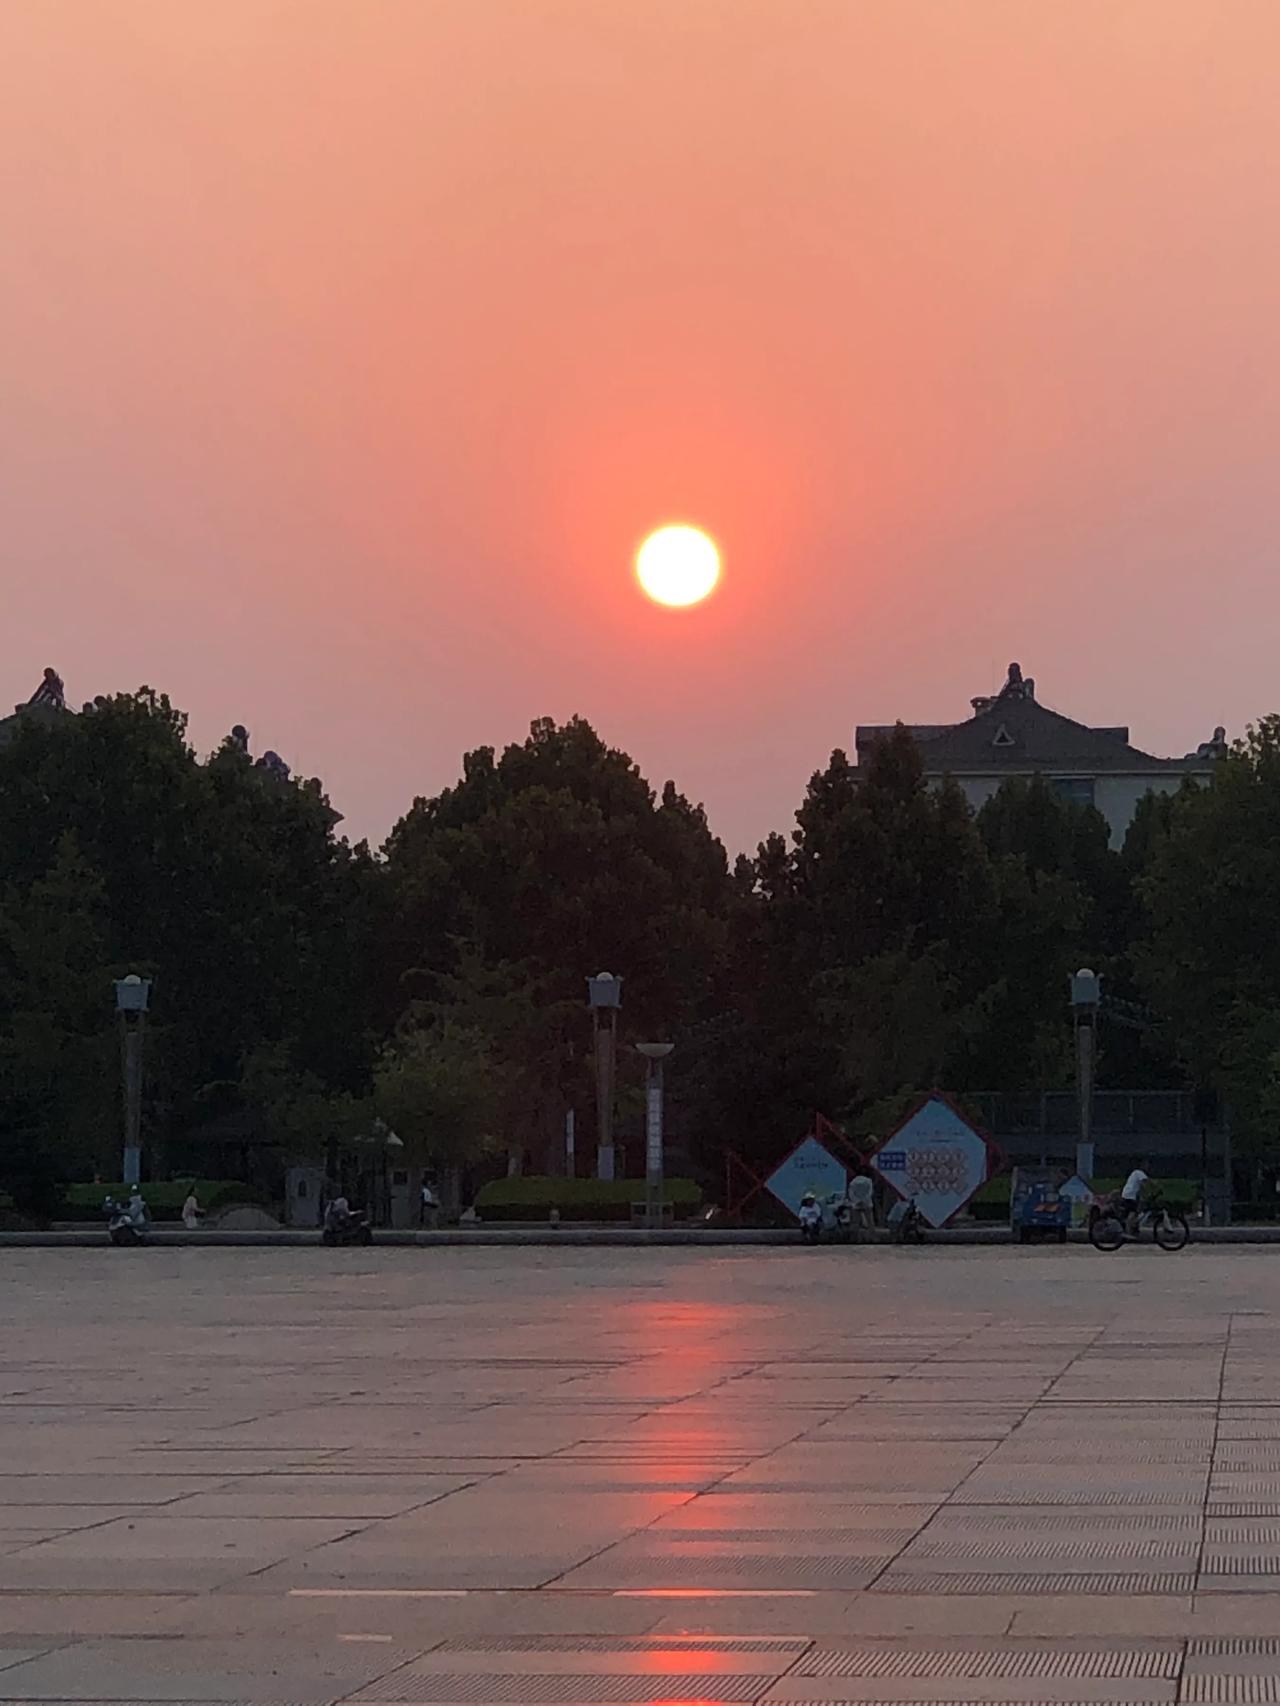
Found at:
(640, 1475)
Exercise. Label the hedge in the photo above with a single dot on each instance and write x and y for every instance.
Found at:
(533, 1196)
(991, 1202)
(164, 1198)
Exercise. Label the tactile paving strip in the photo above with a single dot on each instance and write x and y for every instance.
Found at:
(1243, 1507)
(908, 1581)
(1235, 1647)
(428, 1690)
(1152, 1522)
(989, 1662)
(1230, 1690)
(1232, 1564)
(1041, 1547)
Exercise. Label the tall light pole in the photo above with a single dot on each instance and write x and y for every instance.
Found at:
(655, 1054)
(604, 996)
(1086, 994)
(132, 996)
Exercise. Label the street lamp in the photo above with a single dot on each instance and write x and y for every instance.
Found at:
(604, 997)
(132, 996)
(1086, 996)
(655, 1054)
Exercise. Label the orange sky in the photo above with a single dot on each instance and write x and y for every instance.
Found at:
(350, 346)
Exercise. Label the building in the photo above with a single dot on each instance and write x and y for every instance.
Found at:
(1012, 734)
(48, 704)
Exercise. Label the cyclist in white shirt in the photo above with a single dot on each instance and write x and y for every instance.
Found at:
(1131, 1194)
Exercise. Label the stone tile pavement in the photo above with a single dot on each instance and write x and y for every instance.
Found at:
(582, 1476)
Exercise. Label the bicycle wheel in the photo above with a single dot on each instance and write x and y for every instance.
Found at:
(1171, 1230)
(1106, 1232)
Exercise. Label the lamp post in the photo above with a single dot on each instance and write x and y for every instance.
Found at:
(655, 1054)
(132, 996)
(1086, 994)
(604, 996)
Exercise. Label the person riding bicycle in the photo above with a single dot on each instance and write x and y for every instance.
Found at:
(1131, 1195)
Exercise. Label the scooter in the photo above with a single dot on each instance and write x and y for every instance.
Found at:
(122, 1229)
(906, 1224)
(349, 1228)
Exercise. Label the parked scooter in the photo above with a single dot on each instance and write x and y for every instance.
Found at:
(345, 1225)
(810, 1218)
(906, 1224)
(127, 1223)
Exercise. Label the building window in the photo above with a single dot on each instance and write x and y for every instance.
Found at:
(1077, 789)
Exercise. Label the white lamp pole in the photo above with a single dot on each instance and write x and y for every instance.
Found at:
(655, 1054)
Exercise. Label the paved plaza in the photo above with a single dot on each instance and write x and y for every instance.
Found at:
(581, 1476)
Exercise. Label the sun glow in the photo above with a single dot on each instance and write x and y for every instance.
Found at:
(678, 565)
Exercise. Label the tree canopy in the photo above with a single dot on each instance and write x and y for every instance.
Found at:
(304, 988)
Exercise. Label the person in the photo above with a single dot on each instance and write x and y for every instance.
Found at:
(862, 1199)
(1131, 1194)
(191, 1210)
(429, 1209)
(339, 1210)
(137, 1208)
(810, 1216)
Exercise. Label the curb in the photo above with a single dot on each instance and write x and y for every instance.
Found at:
(574, 1237)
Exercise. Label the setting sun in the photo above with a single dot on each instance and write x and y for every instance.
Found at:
(678, 565)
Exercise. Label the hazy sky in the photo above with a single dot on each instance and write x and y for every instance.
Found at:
(350, 346)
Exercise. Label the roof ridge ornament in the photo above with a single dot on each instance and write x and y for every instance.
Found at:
(50, 692)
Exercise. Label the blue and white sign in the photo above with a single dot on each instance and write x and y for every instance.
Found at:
(936, 1158)
(808, 1168)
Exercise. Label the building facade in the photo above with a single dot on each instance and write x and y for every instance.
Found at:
(1011, 734)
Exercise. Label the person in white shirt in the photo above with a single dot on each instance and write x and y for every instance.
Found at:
(1131, 1193)
(862, 1200)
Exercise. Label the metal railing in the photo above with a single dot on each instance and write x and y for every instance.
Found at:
(1116, 1113)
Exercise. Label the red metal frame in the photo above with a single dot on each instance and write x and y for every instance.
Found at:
(824, 1130)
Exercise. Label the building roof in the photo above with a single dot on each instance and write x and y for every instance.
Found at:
(1012, 732)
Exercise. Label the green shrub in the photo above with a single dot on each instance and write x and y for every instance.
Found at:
(164, 1198)
(991, 1202)
(533, 1196)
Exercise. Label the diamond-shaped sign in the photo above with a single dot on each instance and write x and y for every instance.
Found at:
(935, 1157)
(809, 1167)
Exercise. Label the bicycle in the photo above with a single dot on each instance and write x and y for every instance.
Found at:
(1108, 1225)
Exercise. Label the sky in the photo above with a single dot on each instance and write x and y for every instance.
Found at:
(348, 348)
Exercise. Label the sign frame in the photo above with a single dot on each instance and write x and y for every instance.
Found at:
(994, 1154)
(808, 1138)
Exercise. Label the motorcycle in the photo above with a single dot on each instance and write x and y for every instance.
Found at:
(124, 1228)
(349, 1227)
(906, 1223)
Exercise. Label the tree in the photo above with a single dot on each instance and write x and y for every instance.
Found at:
(292, 1108)
(1061, 893)
(440, 1090)
(59, 1113)
(1210, 961)
(224, 880)
(537, 870)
